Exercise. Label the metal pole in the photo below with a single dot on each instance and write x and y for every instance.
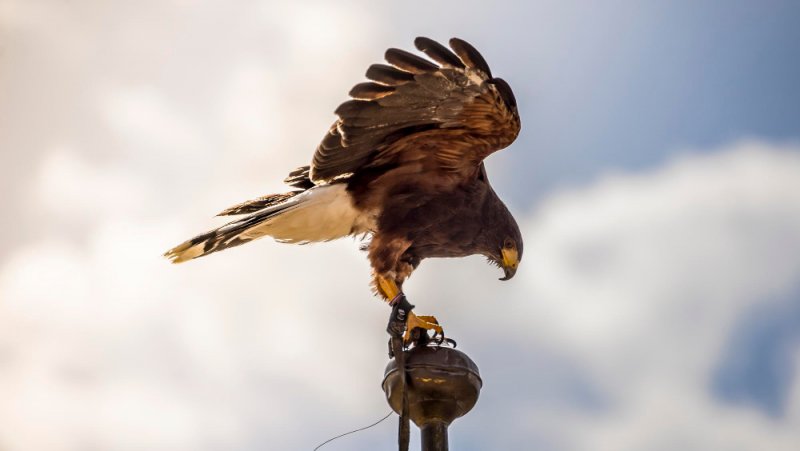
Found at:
(434, 436)
(404, 427)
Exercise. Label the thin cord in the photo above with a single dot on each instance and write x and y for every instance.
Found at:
(352, 432)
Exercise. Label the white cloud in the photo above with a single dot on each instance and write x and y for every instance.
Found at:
(638, 280)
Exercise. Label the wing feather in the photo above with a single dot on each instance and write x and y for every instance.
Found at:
(370, 91)
(470, 56)
(300, 178)
(409, 62)
(437, 52)
(453, 115)
(388, 75)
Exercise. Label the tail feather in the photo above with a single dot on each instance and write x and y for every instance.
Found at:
(229, 235)
(252, 206)
(321, 213)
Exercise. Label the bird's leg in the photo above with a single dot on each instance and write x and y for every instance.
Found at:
(389, 289)
(386, 287)
(390, 269)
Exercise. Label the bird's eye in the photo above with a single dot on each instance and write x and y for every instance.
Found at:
(509, 243)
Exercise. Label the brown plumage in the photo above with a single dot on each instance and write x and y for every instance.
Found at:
(403, 164)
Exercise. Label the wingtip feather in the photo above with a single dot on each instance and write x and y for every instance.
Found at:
(437, 52)
(470, 55)
(409, 62)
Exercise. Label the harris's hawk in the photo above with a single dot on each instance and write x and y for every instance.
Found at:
(403, 164)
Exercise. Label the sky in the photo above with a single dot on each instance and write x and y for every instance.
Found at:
(656, 182)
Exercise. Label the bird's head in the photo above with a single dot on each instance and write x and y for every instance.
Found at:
(506, 246)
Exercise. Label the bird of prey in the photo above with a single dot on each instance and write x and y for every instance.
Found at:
(402, 165)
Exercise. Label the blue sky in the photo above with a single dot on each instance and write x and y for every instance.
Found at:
(632, 82)
(656, 180)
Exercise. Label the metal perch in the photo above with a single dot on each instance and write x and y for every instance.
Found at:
(436, 383)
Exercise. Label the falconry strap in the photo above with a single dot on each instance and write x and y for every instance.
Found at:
(401, 308)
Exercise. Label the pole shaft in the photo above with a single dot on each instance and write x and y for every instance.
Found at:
(404, 427)
(434, 436)
(398, 321)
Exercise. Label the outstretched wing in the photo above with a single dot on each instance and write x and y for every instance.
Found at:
(452, 114)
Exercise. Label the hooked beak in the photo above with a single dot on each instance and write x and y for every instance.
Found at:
(510, 263)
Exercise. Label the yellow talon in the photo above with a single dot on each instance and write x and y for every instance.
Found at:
(388, 288)
(422, 322)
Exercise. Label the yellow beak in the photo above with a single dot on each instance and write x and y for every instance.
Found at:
(510, 262)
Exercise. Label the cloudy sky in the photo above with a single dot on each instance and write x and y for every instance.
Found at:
(656, 181)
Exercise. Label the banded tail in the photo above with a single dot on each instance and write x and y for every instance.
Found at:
(320, 213)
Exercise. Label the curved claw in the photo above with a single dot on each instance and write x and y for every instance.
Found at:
(438, 338)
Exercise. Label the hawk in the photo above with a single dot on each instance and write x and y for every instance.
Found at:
(403, 165)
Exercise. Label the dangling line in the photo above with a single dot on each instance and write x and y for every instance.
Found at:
(354, 431)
